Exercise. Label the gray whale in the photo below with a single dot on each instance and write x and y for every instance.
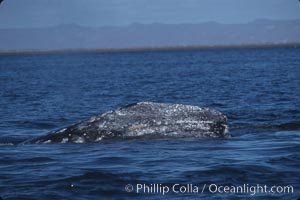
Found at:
(143, 119)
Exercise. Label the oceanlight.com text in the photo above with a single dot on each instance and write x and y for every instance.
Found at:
(176, 188)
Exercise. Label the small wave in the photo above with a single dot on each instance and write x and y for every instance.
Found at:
(37, 124)
(292, 111)
(246, 127)
(36, 159)
(12, 140)
(284, 126)
(6, 144)
(287, 159)
(102, 176)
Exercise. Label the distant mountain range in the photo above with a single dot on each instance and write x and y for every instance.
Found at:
(137, 35)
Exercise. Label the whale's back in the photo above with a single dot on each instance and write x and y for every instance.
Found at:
(144, 119)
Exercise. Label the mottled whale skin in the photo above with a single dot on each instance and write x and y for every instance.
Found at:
(143, 119)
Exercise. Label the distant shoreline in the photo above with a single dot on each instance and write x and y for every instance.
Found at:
(145, 49)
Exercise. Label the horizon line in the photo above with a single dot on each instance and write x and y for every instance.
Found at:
(152, 23)
(148, 48)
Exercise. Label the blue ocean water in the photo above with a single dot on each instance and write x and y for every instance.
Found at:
(256, 88)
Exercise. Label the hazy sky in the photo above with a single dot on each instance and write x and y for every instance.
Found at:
(38, 13)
